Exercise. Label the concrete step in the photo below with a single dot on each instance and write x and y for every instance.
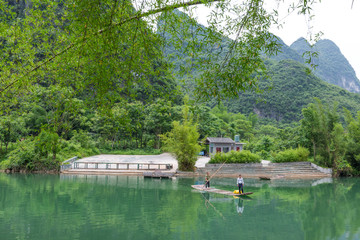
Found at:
(302, 168)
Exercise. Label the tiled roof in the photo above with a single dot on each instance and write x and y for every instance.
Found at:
(219, 140)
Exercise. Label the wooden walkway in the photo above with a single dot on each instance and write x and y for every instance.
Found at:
(219, 191)
(122, 166)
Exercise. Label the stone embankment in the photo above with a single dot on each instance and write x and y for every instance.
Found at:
(111, 164)
(267, 169)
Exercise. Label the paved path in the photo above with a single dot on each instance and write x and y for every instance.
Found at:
(164, 158)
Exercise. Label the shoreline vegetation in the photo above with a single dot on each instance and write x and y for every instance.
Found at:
(132, 152)
(177, 174)
(125, 88)
(250, 169)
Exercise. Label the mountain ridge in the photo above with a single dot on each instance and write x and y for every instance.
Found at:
(332, 65)
(293, 87)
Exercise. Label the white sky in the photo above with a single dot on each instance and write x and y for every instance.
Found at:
(335, 19)
(338, 22)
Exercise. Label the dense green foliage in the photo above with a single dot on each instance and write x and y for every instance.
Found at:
(331, 65)
(288, 86)
(244, 156)
(79, 78)
(299, 154)
(108, 49)
(47, 151)
(182, 141)
(291, 89)
(146, 151)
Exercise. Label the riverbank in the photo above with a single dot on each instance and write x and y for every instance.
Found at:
(178, 174)
(110, 164)
(198, 174)
(138, 164)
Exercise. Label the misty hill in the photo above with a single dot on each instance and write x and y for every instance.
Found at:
(332, 66)
(285, 52)
(292, 85)
(187, 36)
(292, 89)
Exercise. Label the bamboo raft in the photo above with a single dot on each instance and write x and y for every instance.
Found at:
(219, 191)
(158, 174)
(271, 178)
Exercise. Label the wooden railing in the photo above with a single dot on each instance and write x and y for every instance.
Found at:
(68, 163)
(122, 166)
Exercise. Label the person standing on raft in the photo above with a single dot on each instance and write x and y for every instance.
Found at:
(240, 183)
(207, 180)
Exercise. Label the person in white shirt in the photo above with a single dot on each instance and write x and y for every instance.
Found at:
(240, 207)
(240, 183)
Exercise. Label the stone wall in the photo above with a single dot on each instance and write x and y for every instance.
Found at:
(268, 169)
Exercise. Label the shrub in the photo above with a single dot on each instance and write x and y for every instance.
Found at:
(83, 138)
(299, 154)
(22, 156)
(264, 154)
(343, 168)
(244, 156)
(146, 151)
(33, 153)
(74, 148)
(4, 164)
(182, 141)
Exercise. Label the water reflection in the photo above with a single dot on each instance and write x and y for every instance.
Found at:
(128, 207)
(240, 206)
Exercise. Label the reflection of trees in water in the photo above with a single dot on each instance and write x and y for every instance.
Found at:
(208, 204)
(159, 209)
(85, 208)
(334, 211)
(325, 211)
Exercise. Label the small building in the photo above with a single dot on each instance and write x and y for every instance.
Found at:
(223, 145)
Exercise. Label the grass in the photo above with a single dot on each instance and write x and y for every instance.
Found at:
(132, 151)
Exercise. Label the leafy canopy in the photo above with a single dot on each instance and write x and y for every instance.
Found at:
(107, 48)
(182, 141)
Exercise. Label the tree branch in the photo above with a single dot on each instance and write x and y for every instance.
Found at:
(137, 16)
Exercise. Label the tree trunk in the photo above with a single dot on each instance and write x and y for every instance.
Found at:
(314, 149)
(141, 139)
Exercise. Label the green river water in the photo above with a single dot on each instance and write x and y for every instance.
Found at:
(130, 207)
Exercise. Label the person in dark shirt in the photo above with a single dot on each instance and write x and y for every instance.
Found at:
(207, 180)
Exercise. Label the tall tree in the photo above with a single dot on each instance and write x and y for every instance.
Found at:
(109, 47)
(352, 154)
(182, 141)
(318, 126)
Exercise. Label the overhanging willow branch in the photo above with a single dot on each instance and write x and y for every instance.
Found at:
(82, 40)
